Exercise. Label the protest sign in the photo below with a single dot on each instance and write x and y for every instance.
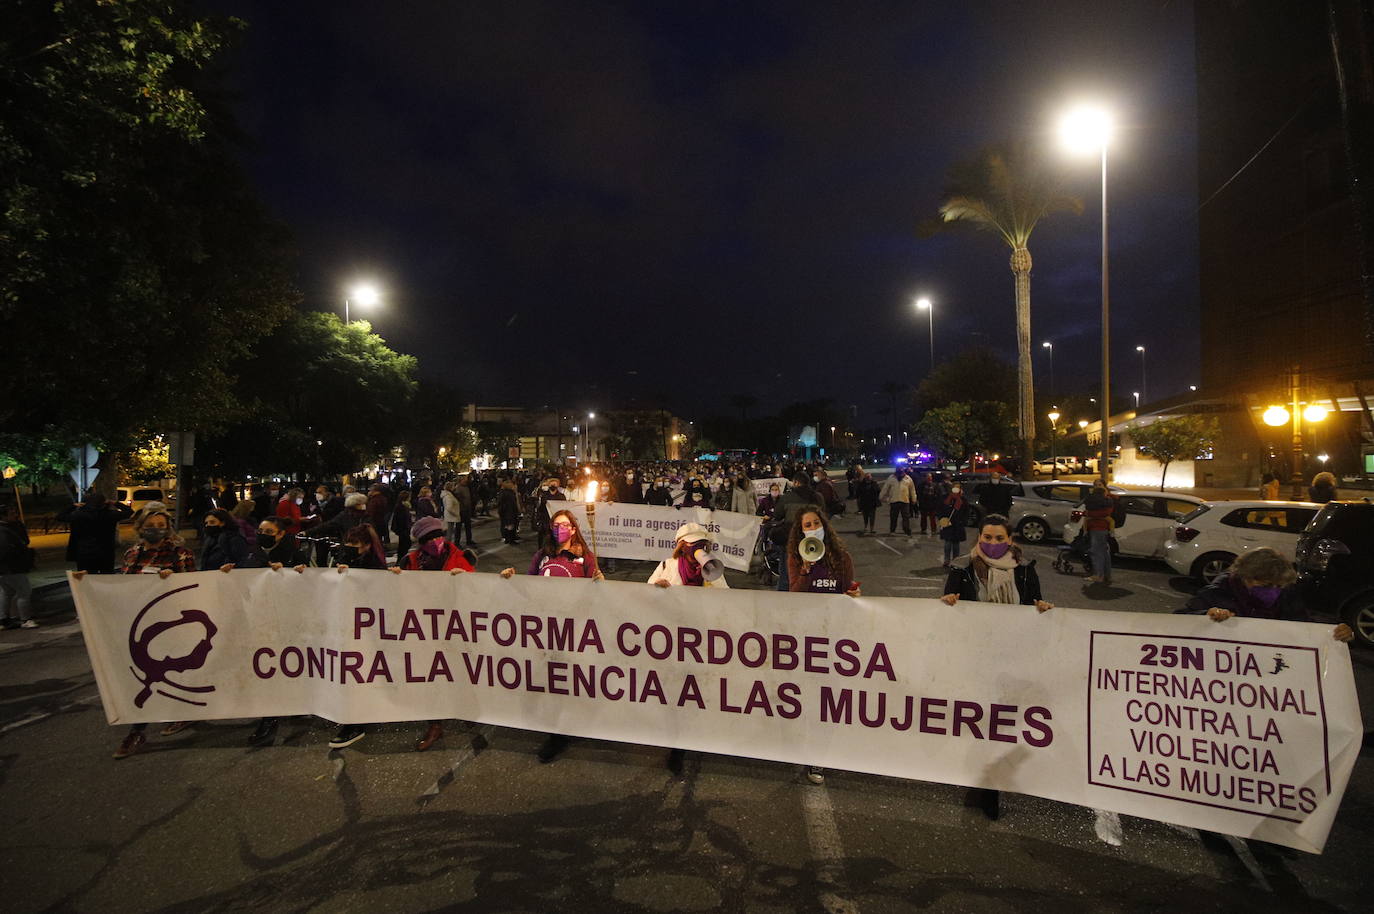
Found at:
(1249, 727)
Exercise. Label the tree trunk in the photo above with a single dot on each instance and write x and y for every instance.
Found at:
(1163, 475)
(1021, 267)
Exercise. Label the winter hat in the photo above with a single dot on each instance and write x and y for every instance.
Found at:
(425, 526)
(356, 500)
(691, 532)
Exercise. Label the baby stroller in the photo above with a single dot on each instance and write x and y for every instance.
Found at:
(1074, 553)
(1077, 552)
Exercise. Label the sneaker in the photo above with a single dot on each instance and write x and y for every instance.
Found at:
(265, 732)
(815, 775)
(433, 733)
(175, 727)
(553, 747)
(132, 743)
(348, 735)
(28, 623)
(8, 623)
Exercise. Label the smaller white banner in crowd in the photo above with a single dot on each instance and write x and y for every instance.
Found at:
(761, 486)
(645, 532)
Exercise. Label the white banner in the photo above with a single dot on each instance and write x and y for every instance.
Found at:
(625, 531)
(761, 486)
(1249, 727)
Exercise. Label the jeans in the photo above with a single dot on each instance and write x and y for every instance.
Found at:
(929, 521)
(951, 550)
(870, 517)
(899, 509)
(15, 589)
(782, 576)
(1101, 552)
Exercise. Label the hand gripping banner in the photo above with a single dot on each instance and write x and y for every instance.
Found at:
(1248, 727)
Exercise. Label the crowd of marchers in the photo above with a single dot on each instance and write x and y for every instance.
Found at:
(424, 523)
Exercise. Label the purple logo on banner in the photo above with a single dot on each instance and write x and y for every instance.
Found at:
(155, 670)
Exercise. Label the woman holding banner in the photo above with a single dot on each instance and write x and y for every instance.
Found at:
(817, 562)
(563, 553)
(1259, 585)
(996, 573)
(159, 551)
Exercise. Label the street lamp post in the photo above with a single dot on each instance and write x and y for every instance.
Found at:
(1144, 388)
(1050, 346)
(1054, 452)
(365, 294)
(590, 417)
(1136, 394)
(923, 304)
(1091, 129)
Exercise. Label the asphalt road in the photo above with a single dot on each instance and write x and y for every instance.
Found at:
(201, 822)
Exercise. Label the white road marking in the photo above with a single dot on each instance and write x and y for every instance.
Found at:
(826, 849)
(887, 547)
(467, 754)
(44, 715)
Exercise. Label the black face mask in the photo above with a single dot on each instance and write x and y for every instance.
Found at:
(266, 540)
(212, 532)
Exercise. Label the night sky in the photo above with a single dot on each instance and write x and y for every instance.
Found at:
(643, 204)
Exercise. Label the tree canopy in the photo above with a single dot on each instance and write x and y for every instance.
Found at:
(133, 254)
(1181, 438)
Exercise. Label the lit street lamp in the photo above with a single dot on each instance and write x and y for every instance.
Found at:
(1050, 346)
(364, 294)
(1144, 389)
(1054, 454)
(923, 304)
(1090, 130)
(1136, 394)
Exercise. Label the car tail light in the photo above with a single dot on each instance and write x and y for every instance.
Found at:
(1322, 551)
(1184, 534)
(1075, 516)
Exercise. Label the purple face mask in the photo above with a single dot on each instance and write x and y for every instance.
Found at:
(994, 550)
(562, 533)
(1266, 596)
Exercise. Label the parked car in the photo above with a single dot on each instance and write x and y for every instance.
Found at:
(136, 497)
(1150, 521)
(1043, 508)
(1335, 558)
(1067, 466)
(1207, 541)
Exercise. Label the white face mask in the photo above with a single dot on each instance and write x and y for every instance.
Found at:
(817, 534)
(300, 501)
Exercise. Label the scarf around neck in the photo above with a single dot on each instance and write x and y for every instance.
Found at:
(1000, 585)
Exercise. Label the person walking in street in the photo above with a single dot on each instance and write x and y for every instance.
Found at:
(742, 499)
(867, 496)
(424, 505)
(288, 508)
(562, 553)
(508, 511)
(798, 497)
(659, 494)
(994, 497)
(94, 526)
(899, 494)
(627, 489)
(996, 572)
(452, 513)
(929, 495)
(353, 514)
(379, 511)
(1323, 488)
(401, 522)
(159, 550)
(1269, 487)
(953, 522)
(467, 506)
(1098, 508)
(16, 561)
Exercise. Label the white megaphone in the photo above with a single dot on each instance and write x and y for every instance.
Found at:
(811, 549)
(711, 569)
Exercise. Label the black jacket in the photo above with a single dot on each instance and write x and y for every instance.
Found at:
(228, 548)
(995, 498)
(93, 530)
(14, 548)
(1226, 593)
(963, 581)
(284, 552)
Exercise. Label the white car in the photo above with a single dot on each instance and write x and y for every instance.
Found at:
(1151, 517)
(1043, 508)
(1206, 542)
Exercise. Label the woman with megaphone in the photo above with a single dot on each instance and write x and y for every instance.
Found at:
(817, 562)
(690, 565)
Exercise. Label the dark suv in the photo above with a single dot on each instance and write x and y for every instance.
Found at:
(1335, 559)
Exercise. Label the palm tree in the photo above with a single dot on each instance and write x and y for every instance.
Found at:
(1008, 189)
